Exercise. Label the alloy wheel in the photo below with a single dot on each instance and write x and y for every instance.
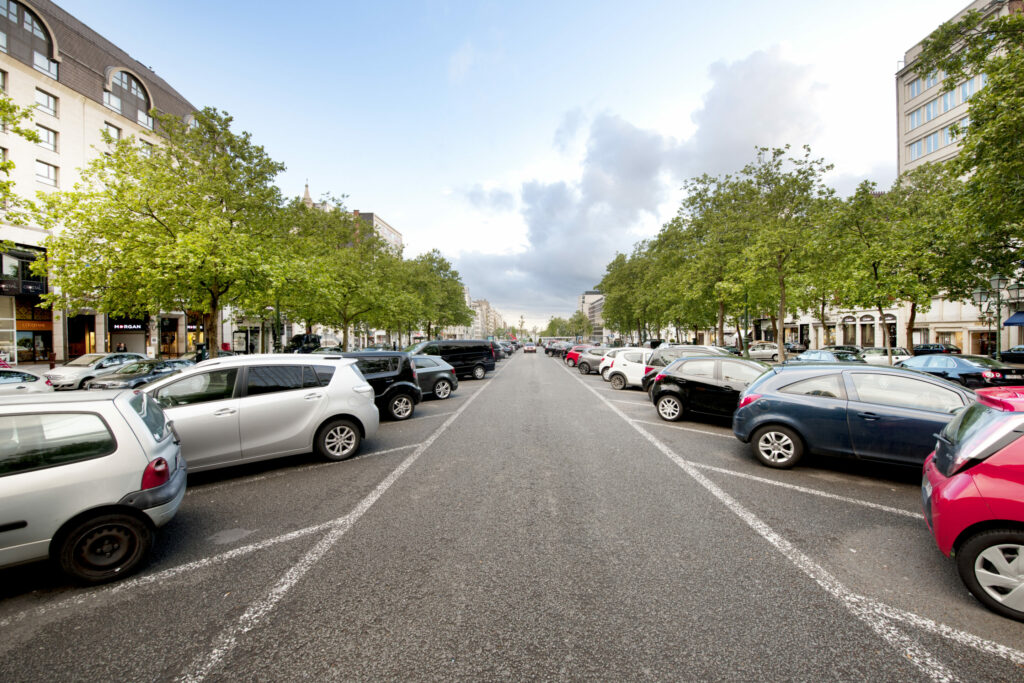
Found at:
(340, 440)
(776, 447)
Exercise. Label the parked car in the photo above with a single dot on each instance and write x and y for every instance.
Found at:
(303, 343)
(573, 355)
(529, 347)
(709, 385)
(508, 347)
(470, 357)
(75, 373)
(795, 347)
(230, 411)
(828, 356)
(630, 366)
(21, 382)
(729, 348)
(868, 412)
(85, 480)
(764, 351)
(849, 348)
(928, 349)
(435, 377)
(664, 355)
(971, 371)
(392, 374)
(608, 360)
(131, 375)
(973, 497)
(204, 354)
(877, 355)
(1014, 354)
(590, 359)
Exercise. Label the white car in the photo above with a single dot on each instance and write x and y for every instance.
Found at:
(609, 359)
(630, 368)
(876, 355)
(237, 409)
(765, 351)
(20, 382)
(85, 480)
(75, 373)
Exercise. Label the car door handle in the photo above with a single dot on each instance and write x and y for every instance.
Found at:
(727, 387)
(871, 417)
(225, 411)
(314, 395)
(22, 388)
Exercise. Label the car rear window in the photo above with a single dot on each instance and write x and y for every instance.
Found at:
(376, 366)
(827, 386)
(151, 413)
(39, 440)
(324, 373)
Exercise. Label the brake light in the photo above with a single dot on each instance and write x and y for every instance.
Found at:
(611, 365)
(157, 474)
(648, 368)
(659, 377)
(748, 399)
(988, 374)
(49, 383)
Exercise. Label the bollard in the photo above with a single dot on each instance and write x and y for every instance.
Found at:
(53, 360)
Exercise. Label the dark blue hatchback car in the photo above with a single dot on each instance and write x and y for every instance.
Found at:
(851, 410)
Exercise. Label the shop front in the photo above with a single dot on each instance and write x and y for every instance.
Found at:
(195, 334)
(128, 334)
(850, 330)
(169, 338)
(245, 339)
(867, 331)
(26, 330)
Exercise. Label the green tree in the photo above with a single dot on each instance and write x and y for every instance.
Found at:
(441, 293)
(182, 225)
(579, 325)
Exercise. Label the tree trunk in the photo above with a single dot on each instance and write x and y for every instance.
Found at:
(781, 321)
(721, 323)
(824, 325)
(910, 326)
(210, 322)
(344, 333)
(885, 334)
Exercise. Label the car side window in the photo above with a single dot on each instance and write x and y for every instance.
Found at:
(740, 372)
(376, 366)
(202, 388)
(35, 441)
(905, 392)
(632, 357)
(324, 373)
(702, 369)
(425, 362)
(435, 350)
(269, 379)
(826, 386)
(940, 362)
(9, 377)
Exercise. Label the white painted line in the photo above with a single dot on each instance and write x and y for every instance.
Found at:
(424, 417)
(685, 429)
(226, 641)
(876, 615)
(632, 403)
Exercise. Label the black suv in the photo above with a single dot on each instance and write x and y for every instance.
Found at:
(393, 378)
(469, 357)
(929, 349)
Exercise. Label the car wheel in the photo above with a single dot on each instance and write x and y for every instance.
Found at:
(479, 371)
(570, 362)
(442, 389)
(104, 548)
(604, 374)
(989, 563)
(81, 385)
(338, 440)
(618, 382)
(777, 446)
(670, 408)
(584, 368)
(775, 358)
(400, 407)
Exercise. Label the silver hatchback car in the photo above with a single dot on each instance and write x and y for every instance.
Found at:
(85, 479)
(238, 409)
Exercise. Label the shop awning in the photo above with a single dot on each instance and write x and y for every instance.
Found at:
(1015, 320)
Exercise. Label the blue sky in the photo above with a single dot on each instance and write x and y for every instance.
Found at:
(530, 141)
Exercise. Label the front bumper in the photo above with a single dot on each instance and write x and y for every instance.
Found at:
(950, 504)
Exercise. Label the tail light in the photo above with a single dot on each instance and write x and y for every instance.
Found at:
(611, 365)
(988, 374)
(659, 377)
(157, 474)
(49, 383)
(748, 399)
(648, 368)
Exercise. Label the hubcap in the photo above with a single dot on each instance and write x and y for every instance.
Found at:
(401, 407)
(1000, 571)
(775, 447)
(105, 547)
(478, 372)
(442, 389)
(340, 440)
(669, 408)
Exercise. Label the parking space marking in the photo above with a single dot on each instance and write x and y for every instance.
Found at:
(685, 429)
(337, 528)
(635, 403)
(878, 616)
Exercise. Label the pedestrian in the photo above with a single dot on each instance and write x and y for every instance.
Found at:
(121, 347)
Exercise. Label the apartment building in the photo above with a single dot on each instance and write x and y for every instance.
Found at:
(81, 85)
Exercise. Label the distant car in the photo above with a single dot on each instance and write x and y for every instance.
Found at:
(764, 351)
(971, 371)
(729, 348)
(868, 412)
(470, 357)
(21, 382)
(529, 347)
(1014, 354)
(590, 359)
(75, 373)
(630, 366)
(709, 385)
(85, 480)
(199, 356)
(435, 377)
(929, 349)
(608, 360)
(827, 356)
(877, 355)
(303, 343)
(849, 348)
(664, 355)
(131, 375)
(392, 374)
(573, 355)
(973, 498)
(795, 347)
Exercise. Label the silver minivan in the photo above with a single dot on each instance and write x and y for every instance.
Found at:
(85, 480)
(237, 409)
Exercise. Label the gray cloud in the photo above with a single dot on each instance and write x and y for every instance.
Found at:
(574, 228)
(494, 200)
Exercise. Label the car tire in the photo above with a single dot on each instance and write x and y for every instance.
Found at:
(982, 576)
(104, 548)
(479, 371)
(584, 368)
(338, 440)
(670, 408)
(775, 358)
(400, 406)
(618, 382)
(604, 374)
(442, 389)
(570, 362)
(777, 446)
(86, 380)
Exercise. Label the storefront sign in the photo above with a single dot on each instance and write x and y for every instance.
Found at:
(849, 319)
(33, 287)
(35, 325)
(890, 318)
(127, 325)
(867, 318)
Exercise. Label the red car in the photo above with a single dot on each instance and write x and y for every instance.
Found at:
(573, 357)
(973, 495)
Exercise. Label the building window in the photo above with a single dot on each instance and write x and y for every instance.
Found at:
(43, 63)
(47, 138)
(46, 173)
(112, 130)
(966, 90)
(916, 149)
(931, 143)
(32, 25)
(145, 120)
(112, 101)
(3, 81)
(931, 80)
(3, 41)
(914, 119)
(948, 101)
(147, 149)
(9, 9)
(948, 138)
(913, 88)
(931, 110)
(45, 102)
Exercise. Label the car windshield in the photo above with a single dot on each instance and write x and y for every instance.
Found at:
(87, 359)
(982, 362)
(413, 347)
(132, 368)
(845, 355)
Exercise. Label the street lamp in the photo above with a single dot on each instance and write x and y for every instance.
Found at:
(998, 285)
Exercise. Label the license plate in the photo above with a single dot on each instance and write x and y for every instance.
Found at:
(1013, 377)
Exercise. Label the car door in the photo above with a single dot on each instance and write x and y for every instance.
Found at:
(636, 366)
(279, 408)
(697, 380)
(816, 406)
(895, 417)
(205, 409)
(14, 382)
(735, 377)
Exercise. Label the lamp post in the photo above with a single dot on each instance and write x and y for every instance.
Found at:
(998, 285)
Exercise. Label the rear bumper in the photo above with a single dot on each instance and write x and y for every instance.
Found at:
(161, 503)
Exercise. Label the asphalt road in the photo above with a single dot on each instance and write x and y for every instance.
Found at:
(537, 525)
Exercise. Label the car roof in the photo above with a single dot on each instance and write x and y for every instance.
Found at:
(70, 398)
(272, 359)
